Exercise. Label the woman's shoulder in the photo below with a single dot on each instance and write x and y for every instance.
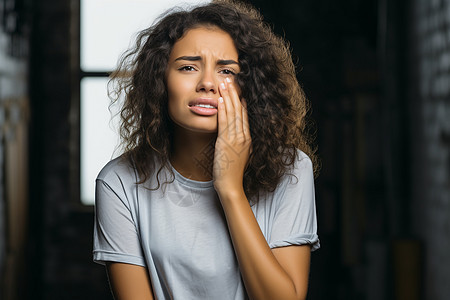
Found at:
(303, 162)
(301, 170)
(117, 168)
(295, 186)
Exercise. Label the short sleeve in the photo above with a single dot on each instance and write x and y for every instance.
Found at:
(295, 221)
(116, 236)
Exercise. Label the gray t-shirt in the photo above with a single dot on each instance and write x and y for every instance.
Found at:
(179, 231)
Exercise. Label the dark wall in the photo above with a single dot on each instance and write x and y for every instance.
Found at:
(61, 264)
(429, 96)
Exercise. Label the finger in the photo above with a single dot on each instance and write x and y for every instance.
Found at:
(229, 108)
(245, 125)
(221, 116)
(234, 96)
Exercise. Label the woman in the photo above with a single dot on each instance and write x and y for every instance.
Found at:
(213, 197)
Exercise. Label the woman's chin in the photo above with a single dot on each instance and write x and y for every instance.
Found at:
(198, 128)
(204, 130)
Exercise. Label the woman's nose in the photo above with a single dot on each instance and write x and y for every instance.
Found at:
(208, 82)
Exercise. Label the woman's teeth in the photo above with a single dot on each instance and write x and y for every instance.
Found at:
(205, 105)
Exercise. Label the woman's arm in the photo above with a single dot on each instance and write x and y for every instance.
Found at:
(129, 282)
(281, 273)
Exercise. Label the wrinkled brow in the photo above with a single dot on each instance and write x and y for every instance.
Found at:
(197, 58)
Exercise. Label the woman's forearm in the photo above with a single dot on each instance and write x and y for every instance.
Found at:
(263, 276)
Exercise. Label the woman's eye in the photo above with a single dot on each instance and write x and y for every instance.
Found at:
(228, 72)
(187, 68)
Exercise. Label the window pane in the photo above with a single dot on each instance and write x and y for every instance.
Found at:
(108, 25)
(99, 138)
(107, 29)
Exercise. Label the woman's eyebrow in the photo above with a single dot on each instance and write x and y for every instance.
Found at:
(227, 62)
(197, 58)
(189, 58)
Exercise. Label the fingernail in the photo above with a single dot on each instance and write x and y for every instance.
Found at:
(222, 85)
(228, 80)
(220, 99)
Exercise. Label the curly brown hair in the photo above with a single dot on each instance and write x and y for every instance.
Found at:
(277, 106)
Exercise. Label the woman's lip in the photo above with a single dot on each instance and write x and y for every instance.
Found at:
(203, 111)
(207, 101)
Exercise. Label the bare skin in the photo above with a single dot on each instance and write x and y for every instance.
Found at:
(129, 281)
(280, 273)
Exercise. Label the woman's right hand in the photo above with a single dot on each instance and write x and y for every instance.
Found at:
(233, 144)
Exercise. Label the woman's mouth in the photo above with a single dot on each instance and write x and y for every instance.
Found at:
(204, 107)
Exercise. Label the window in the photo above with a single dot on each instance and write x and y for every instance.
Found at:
(107, 29)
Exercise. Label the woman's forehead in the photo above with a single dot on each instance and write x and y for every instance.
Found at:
(205, 41)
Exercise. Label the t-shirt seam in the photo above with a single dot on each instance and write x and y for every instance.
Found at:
(117, 253)
(192, 187)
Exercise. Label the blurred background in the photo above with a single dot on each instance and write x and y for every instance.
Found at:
(377, 73)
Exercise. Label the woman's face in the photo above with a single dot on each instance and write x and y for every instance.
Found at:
(198, 63)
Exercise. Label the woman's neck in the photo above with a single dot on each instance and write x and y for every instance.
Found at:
(193, 153)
